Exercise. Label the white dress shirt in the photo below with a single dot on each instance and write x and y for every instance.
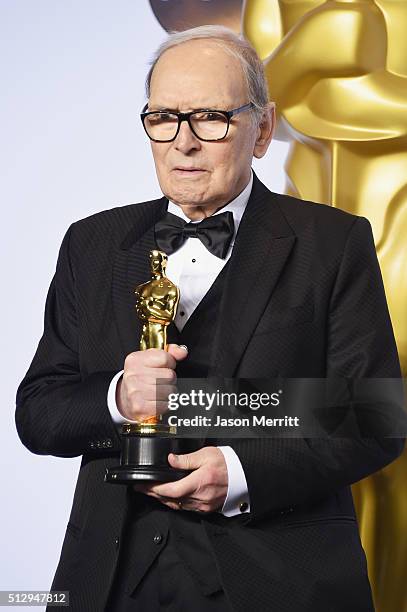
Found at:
(194, 269)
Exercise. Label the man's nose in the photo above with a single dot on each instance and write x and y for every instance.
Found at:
(186, 140)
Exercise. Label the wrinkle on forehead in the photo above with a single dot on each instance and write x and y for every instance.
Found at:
(197, 74)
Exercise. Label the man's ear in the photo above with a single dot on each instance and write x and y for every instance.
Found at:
(265, 131)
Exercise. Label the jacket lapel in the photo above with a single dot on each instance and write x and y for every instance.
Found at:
(131, 268)
(262, 246)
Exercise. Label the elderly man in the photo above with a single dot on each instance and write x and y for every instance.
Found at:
(280, 288)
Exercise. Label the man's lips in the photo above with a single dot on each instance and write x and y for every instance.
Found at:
(188, 170)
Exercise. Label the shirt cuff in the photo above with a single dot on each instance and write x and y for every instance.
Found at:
(237, 499)
(111, 401)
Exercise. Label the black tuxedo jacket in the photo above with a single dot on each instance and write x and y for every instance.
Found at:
(303, 297)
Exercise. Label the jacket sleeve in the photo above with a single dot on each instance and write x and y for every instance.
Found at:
(286, 472)
(59, 412)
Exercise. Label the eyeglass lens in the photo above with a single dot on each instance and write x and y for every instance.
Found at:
(206, 125)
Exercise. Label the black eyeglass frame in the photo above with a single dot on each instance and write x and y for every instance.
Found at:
(187, 117)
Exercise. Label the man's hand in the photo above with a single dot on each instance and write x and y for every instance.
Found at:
(204, 490)
(148, 378)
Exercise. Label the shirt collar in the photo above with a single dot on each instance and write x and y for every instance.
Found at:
(236, 206)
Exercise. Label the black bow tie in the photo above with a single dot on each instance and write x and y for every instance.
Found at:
(214, 232)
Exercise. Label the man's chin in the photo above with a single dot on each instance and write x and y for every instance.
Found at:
(187, 198)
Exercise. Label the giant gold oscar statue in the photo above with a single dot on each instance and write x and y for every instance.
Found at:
(337, 71)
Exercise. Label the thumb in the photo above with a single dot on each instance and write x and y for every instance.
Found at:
(189, 461)
(178, 351)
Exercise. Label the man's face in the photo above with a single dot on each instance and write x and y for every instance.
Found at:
(196, 75)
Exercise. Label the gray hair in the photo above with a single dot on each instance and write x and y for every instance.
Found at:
(238, 47)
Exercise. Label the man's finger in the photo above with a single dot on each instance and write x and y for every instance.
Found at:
(177, 489)
(178, 351)
(146, 489)
(187, 461)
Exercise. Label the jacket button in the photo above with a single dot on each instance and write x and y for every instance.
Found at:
(157, 538)
(243, 507)
(117, 542)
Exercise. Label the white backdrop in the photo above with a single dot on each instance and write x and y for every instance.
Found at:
(72, 85)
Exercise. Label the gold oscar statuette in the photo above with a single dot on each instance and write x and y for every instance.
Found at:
(146, 444)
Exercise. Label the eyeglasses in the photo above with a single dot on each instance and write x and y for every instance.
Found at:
(208, 125)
